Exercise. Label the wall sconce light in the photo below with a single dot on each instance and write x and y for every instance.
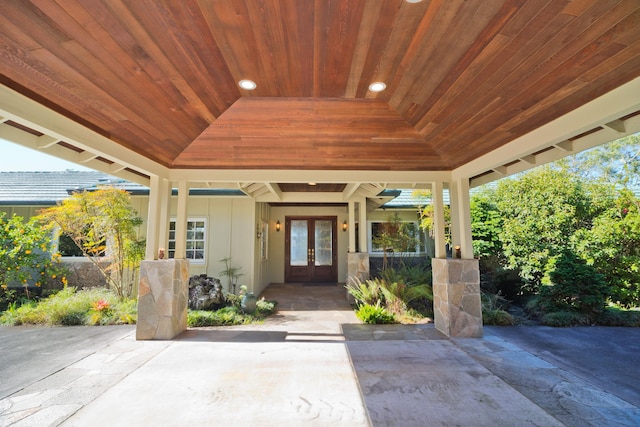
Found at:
(278, 225)
(344, 226)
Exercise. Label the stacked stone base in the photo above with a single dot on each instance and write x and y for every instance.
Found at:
(162, 299)
(456, 297)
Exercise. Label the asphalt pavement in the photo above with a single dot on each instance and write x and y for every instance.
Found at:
(608, 357)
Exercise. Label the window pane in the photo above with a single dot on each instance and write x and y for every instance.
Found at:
(67, 247)
(299, 242)
(324, 237)
(195, 240)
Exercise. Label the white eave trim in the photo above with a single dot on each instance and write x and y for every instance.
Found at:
(56, 127)
(604, 112)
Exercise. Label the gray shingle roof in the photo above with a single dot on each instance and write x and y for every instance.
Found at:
(46, 188)
(49, 188)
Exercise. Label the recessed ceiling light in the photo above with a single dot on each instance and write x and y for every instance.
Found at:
(377, 87)
(312, 183)
(413, 1)
(247, 84)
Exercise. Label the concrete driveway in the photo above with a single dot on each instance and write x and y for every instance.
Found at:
(314, 364)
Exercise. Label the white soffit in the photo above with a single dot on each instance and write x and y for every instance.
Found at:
(557, 138)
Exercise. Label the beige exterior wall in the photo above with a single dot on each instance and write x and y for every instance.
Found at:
(233, 224)
(23, 211)
(231, 232)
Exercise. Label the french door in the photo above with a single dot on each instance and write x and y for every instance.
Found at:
(310, 245)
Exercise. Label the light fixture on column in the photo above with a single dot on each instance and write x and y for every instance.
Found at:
(278, 225)
(344, 226)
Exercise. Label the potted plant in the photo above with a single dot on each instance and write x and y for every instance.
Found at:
(248, 300)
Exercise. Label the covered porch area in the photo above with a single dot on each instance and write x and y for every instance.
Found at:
(263, 101)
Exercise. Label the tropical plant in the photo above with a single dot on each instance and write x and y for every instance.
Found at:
(233, 273)
(374, 314)
(395, 297)
(105, 227)
(364, 293)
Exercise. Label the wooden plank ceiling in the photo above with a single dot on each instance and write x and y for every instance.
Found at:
(462, 77)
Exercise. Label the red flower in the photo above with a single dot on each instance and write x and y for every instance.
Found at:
(101, 305)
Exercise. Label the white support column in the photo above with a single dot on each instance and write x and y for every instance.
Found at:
(457, 305)
(438, 220)
(181, 220)
(352, 227)
(153, 218)
(463, 216)
(165, 209)
(454, 207)
(363, 228)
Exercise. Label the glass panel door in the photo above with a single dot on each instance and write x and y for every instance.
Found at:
(323, 252)
(299, 248)
(310, 249)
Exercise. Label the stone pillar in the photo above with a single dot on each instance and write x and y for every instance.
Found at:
(162, 299)
(357, 268)
(456, 297)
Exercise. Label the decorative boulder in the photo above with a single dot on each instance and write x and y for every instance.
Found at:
(205, 293)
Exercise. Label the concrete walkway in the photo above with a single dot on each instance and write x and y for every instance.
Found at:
(314, 364)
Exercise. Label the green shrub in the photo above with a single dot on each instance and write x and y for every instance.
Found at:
(374, 314)
(230, 315)
(493, 312)
(497, 317)
(572, 285)
(233, 300)
(616, 317)
(564, 319)
(226, 316)
(96, 306)
(265, 308)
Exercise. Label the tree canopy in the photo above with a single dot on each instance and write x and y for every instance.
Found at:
(104, 226)
(575, 213)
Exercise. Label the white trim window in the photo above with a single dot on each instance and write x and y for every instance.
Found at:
(196, 240)
(68, 250)
(413, 242)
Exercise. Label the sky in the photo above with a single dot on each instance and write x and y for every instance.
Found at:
(14, 157)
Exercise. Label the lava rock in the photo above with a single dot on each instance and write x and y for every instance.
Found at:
(205, 293)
